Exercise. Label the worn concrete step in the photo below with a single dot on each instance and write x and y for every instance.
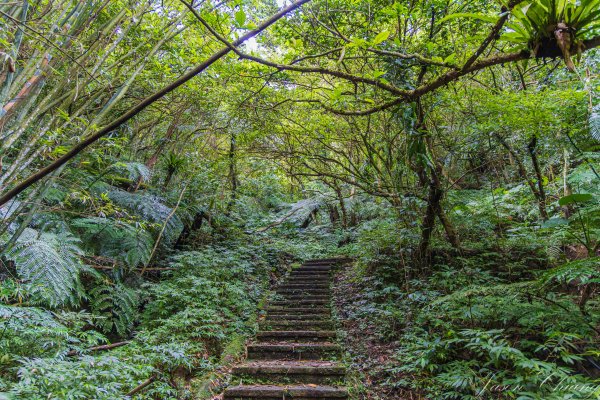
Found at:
(300, 310)
(287, 392)
(296, 324)
(326, 283)
(309, 279)
(299, 303)
(278, 371)
(305, 291)
(294, 285)
(311, 285)
(301, 317)
(295, 297)
(292, 351)
(314, 269)
(330, 260)
(296, 335)
(311, 271)
(315, 265)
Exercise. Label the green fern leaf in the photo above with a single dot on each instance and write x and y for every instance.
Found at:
(49, 263)
(117, 305)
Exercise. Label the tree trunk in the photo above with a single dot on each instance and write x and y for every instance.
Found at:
(233, 179)
(541, 197)
(450, 231)
(433, 204)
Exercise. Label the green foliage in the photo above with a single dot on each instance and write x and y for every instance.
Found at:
(152, 209)
(210, 296)
(49, 264)
(115, 305)
(135, 170)
(105, 377)
(537, 19)
(127, 243)
(29, 332)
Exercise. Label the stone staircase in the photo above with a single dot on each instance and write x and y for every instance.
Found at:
(295, 354)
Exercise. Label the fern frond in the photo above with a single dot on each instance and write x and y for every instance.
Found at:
(49, 263)
(107, 237)
(134, 170)
(582, 272)
(117, 305)
(151, 208)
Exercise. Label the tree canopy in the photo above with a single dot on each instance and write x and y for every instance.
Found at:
(163, 162)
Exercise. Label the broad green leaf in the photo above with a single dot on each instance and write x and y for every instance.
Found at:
(381, 37)
(574, 198)
(450, 59)
(482, 17)
(240, 17)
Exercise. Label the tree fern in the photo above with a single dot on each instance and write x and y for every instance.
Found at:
(49, 264)
(134, 170)
(124, 242)
(117, 305)
(151, 208)
(582, 271)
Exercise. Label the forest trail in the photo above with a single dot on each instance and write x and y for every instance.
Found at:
(295, 353)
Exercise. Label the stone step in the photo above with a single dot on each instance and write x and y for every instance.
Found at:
(307, 291)
(287, 392)
(305, 284)
(292, 351)
(302, 286)
(296, 336)
(311, 271)
(296, 324)
(301, 317)
(296, 297)
(299, 303)
(324, 269)
(300, 310)
(309, 281)
(279, 371)
(330, 260)
(313, 274)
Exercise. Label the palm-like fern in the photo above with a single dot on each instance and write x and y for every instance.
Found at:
(151, 208)
(49, 264)
(134, 170)
(117, 305)
(582, 272)
(124, 242)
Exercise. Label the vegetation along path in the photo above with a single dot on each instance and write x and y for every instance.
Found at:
(295, 353)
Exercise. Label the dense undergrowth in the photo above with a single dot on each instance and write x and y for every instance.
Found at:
(187, 322)
(84, 315)
(450, 148)
(512, 316)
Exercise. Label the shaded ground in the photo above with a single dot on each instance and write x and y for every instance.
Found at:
(368, 355)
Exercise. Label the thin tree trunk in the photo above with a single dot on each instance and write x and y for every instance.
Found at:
(523, 174)
(433, 203)
(532, 148)
(233, 179)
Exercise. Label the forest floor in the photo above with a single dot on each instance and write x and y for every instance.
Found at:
(369, 357)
